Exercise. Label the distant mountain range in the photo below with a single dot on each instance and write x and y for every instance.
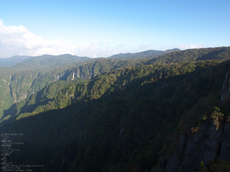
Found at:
(50, 61)
(9, 62)
(165, 114)
(44, 60)
(143, 54)
(56, 60)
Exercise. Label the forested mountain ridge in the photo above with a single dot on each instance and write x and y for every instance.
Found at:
(40, 61)
(144, 54)
(30, 76)
(87, 132)
(129, 115)
(203, 141)
(52, 60)
(9, 62)
(16, 84)
(219, 54)
(25, 81)
(19, 82)
(49, 61)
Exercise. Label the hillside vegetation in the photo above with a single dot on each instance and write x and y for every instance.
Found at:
(112, 115)
(9, 62)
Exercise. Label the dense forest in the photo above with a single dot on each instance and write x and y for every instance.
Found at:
(160, 113)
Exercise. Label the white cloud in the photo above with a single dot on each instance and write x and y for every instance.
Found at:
(18, 40)
(11, 29)
(190, 46)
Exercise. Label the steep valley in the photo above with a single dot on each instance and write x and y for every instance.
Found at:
(168, 113)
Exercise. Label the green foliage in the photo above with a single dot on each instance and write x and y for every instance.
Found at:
(219, 54)
(144, 54)
(26, 78)
(126, 117)
(48, 61)
(201, 165)
(217, 116)
(219, 165)
(216, 165)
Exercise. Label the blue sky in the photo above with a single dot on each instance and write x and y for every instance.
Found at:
(103, 28)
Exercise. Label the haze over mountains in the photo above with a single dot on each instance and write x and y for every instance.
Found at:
(9, 62)
(144, 54)
(148, 111)
(40, 61)
(56, 60)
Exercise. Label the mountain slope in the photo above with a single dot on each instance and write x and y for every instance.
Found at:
(9, 62)
(219, 54)
(129, 116)
(86, 131)
(143, 54)
(17, 83)
(27, 78)
(202, 136)
(49, 61)
(20, 83)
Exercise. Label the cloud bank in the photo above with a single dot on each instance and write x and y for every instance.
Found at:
(18, 40)
(190, 46)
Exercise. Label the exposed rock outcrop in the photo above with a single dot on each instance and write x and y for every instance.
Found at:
(205, 145)
(226, 89)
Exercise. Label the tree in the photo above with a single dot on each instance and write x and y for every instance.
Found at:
(217, 116)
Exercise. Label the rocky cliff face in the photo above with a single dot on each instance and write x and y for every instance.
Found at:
(226, 87)
(205, 145)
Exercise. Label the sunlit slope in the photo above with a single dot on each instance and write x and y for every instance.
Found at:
(28, 77)
(115, 121)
